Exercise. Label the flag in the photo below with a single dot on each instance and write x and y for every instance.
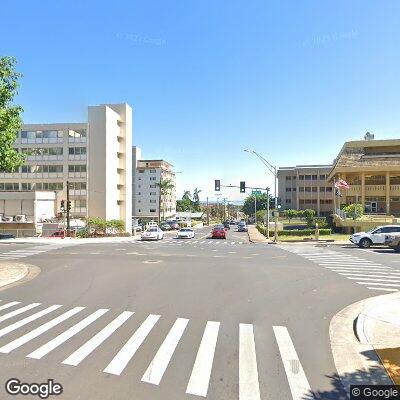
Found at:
(342, 184)
(337, 193)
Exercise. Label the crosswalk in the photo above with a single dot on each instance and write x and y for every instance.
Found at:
(193, 242)
(30, 251)
(39, 325)
(370, 274)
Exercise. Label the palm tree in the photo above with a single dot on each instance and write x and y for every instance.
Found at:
(196, 199)
(165, 187)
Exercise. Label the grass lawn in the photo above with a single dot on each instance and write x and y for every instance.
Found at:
(334, 236)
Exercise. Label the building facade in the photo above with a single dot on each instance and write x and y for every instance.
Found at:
(146, 198)
(372, 170)
(306, 187)
(94, 156)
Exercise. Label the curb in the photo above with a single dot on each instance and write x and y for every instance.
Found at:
(355, 358)
(13, 274)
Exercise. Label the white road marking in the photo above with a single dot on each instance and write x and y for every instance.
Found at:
(80, 354)
(18, 311)
(38, 331)
(63, 337)
(365, 266)
(8, 305)
(375, 279)
(120, 361)
(384, 289)
(248, 374)
(159, 364)
(233, 242)
(201, 372)
(298, 382)
(349, 262)
(367, 271)
(380, 284)
(370, 275)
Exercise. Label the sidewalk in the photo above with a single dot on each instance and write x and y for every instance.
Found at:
(71, 241)
(379, 326)
(12, 272)
(255, 236)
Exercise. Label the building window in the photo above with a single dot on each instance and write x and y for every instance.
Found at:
(9, 186)
(77, 168)
(314, 177)
(152, 201)
(78, 185)
(26, 186)
(77, 133)
(140, 171)
(314, 189)
(152, 210)
(307, 177)
(288, 189)
(293, 189)
(328, 189)
(288, 178)
(301, 177)
(77, 151)
(301, 189)
(308, 189)
(153, 193)
(288, 201)
(322, 177)
(152, 178)
(153, 171)
(322, 189)
(152, 186)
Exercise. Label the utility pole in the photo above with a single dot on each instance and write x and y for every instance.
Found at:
(208, 213)
(255, 209)
(224, 200)
(268, 213)
(68, 209)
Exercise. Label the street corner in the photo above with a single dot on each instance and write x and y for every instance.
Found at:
(379, 325)
(12, 273)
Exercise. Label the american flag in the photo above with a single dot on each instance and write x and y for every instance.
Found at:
(342, 184)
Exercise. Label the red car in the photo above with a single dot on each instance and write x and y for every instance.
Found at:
(218, 232)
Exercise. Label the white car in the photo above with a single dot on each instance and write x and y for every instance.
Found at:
(374, 236)
(153, 233)
(185, 233)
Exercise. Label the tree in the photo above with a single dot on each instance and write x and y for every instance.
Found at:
(309, 216)
(186, 204)
(289, 214)
(165, 187)
(10, 115)
(354, 211)
(196, 199)
(261, 202)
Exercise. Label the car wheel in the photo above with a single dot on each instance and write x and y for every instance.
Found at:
(397, 249)
(365, 243)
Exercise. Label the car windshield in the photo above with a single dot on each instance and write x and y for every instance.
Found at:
(152, 230)
(185, 230)
(218, 227)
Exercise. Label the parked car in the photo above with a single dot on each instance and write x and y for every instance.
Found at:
(393, 241)
(226, 225)
(374, 236)
(185, 233)
(6, 236)
(218, 232)
(242, 227)
(153, 233)
(165, 227)
(174, 225)
(59, 234)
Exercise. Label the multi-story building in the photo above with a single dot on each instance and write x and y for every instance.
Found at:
(306, 187)
(94, 156)
(372, 170)
(146, 197)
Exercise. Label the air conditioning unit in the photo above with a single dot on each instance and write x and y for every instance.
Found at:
(8, 219)
(20, 218)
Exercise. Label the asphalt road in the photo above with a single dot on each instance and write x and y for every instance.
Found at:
(180, 319)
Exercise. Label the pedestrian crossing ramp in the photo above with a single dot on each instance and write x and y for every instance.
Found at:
(38, 340)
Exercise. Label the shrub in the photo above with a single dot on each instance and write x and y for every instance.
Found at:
(309, 216)
(304, 232)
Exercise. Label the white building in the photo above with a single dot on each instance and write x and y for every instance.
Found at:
(94, 156)
(145, 190)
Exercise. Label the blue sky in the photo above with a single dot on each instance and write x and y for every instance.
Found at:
(207, 79)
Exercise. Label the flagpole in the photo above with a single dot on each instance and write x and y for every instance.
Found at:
(334, 194)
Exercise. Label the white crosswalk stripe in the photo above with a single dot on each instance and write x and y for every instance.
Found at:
(200, 377)
(32, 251)
(120, 361)
(347, 265)
(18, 311)
(204, 352)
(160, 362)
(188, 242)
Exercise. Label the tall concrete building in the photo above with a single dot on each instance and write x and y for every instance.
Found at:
(306, 187)
(94, 156)
(146, 199)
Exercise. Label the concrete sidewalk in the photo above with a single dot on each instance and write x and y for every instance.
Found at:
(12, 272)
(379, 326)
(255, 236)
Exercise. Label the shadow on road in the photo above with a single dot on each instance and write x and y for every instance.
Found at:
(372, 376)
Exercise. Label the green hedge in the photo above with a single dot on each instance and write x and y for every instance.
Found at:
(295, 232)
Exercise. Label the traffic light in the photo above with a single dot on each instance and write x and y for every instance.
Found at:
(242, 187)
(69, 205)
(217, 185)
(62, 205)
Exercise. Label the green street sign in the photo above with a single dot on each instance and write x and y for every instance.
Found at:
(256, 192)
